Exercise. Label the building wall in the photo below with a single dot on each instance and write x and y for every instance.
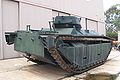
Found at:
(93, 10)
(90, 9)
(16, 14)
(1, 51)
(118, 36)
(37, 17)
(9, 24)
(101, 28)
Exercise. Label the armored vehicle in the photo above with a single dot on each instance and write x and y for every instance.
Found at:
(64, 44)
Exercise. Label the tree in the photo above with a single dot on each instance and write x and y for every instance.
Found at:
(112, 20)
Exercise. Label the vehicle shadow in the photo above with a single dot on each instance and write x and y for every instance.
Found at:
(46, 70)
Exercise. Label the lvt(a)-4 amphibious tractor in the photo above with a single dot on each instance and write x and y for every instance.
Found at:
(64, 44)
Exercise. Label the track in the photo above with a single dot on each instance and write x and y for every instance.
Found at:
(68, 67)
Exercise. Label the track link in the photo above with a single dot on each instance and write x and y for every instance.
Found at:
(68, 67)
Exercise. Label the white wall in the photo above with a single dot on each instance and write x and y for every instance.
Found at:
(83, 23)
(37, 17)
(57, 13)
(1, 50)
(119, 36)
(101, 28)
(10, 24)
(92, 25)
(92, 9)
(100, 10)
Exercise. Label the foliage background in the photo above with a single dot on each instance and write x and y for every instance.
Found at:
(112, 21)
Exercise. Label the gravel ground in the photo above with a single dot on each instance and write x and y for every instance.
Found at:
(20, 69)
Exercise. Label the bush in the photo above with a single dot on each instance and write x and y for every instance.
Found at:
(112, 35)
